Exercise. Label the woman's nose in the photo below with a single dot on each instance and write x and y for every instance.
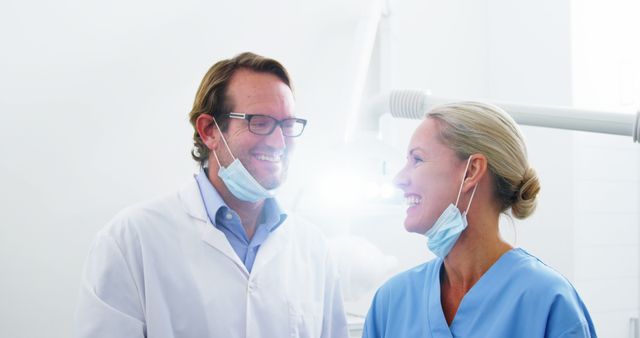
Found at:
(401, 179)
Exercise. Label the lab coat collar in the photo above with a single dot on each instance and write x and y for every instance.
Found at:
(189, 195)
(192, 202)
(275, 243)
(273, 214)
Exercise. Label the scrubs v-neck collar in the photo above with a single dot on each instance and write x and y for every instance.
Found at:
(467, 310)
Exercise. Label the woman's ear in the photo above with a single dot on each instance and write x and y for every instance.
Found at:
(207, 130)
(477, 170)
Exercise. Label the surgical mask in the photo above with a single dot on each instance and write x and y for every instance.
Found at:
(444, 233)
(238, 179)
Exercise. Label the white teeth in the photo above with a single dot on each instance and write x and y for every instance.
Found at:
(268, 158)
(413, 200)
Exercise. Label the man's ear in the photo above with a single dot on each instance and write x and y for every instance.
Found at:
(477, 170)
(208, 132)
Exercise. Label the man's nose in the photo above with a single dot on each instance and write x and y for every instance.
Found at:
(276, 139)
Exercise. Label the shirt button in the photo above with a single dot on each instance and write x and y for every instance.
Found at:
(228, 215)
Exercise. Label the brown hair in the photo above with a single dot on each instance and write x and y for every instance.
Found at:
(212, 98)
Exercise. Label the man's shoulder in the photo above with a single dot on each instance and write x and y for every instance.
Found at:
(150, 215)
(302, 224)
(305, 234)
(155, 207)
(304, 228)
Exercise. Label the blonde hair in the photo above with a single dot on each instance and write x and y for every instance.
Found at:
(479, 128)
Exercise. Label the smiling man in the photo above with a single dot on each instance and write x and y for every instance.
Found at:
(220, 258)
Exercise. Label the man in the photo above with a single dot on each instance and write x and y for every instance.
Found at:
(219, 258)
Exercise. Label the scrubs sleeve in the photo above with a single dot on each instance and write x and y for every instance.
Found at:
(374, 325)
(334, 323)
(109, 302)
(569, 318)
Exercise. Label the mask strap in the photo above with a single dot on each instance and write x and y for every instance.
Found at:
(461, 184)
(225, 144)
(471, 199)
(217, 160)
(463, 175)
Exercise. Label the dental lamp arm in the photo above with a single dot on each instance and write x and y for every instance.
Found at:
(414, 104)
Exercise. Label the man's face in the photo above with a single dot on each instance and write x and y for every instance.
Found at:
(266, 157)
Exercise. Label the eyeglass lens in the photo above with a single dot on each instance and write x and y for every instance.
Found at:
(264, 125)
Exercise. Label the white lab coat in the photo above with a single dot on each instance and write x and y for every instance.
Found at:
(162, 269)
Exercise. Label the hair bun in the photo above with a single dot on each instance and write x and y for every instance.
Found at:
(526, 201)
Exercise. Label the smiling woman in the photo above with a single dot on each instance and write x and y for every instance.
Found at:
(467, 164)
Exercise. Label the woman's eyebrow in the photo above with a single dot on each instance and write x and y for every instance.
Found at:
(415, 149)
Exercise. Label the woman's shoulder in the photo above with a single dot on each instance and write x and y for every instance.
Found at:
(399, 300)
(411, 280)
(536, 283)
(531, 273)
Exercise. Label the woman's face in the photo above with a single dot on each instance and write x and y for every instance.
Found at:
(430, 179)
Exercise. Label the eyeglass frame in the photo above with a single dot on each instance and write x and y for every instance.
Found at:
(248, 117)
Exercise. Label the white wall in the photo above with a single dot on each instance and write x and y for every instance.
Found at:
(530, 63)
(606, 75)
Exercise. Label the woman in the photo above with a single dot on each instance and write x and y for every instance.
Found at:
(466, 165)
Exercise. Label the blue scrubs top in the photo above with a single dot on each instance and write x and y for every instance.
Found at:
(519, 296)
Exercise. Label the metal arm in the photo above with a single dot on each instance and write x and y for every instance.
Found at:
(414, 104)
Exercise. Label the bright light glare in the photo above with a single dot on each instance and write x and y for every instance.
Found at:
(387, 190)
(348, 189)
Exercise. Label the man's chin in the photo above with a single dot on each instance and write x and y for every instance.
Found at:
(273, 183)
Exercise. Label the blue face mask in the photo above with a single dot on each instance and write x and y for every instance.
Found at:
(444, 233)
(238, 179)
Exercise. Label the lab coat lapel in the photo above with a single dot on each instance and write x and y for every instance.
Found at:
(216, 238)
(276, 242)
(194, 206)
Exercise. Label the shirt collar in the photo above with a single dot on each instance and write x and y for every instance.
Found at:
(273, 214)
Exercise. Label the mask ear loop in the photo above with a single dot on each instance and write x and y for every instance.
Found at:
(462, 183)
(471, 199)
(225, 144)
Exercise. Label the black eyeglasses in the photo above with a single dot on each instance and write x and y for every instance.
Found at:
(265, 125)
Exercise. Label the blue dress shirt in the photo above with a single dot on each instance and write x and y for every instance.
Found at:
(228, 221)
